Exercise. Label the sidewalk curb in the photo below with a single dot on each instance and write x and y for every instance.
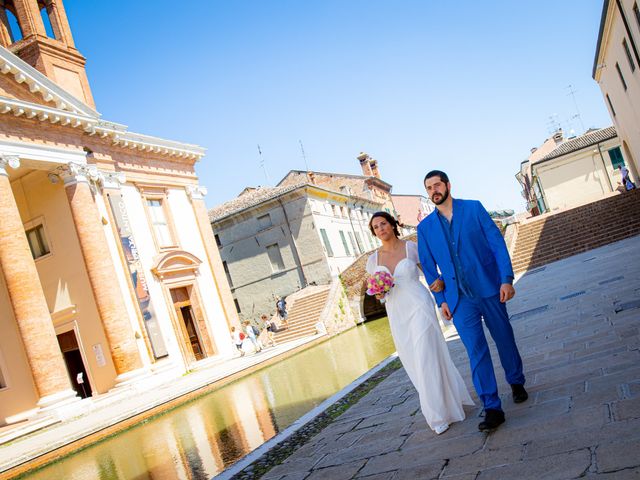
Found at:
(303, 421)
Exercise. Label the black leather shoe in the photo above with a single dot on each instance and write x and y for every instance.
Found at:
(519, 393)
(492, 419)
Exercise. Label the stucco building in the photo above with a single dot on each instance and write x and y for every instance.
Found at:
(568, 172)
(616, 68)
(109, 273)
(275, 241)
(411, 209)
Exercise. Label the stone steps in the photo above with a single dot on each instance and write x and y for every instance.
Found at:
(556, 236)
(303, 316)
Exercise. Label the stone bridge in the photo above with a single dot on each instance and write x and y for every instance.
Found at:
(354, 280)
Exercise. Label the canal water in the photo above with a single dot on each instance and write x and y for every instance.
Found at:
(203, 437)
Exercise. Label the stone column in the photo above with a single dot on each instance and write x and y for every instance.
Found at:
(28, 301)
(60, 23)
(101, 271)
(196, 194)
(28, 15)
(5, 37)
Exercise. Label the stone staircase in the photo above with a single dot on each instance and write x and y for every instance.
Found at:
(554, 236)
(304, 313)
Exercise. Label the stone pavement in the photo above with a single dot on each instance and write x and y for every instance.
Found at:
(577, 324)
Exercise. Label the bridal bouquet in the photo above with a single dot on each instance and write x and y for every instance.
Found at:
(380, 283)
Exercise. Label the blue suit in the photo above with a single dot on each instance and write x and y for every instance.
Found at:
(483, 261)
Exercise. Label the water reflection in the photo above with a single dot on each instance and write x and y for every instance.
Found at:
(202, 438)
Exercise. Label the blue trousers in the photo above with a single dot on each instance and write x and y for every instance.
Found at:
(468, 321)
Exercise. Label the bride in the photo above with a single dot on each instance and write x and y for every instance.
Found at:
(415, 328)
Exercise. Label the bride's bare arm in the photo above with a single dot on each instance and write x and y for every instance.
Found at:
(437, 285)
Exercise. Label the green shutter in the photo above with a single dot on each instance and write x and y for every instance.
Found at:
(616, 157)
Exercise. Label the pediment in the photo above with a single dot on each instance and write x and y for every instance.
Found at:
(175, 262)
(26, 91)
(11, 89)
(20, 81)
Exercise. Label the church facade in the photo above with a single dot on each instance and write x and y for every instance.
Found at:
(109, 272)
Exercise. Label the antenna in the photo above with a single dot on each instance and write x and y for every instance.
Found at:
(572, 92)
(263, 166)
(553, 125)
(304, 156)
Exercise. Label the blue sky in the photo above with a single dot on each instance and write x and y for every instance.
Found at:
(468, 87)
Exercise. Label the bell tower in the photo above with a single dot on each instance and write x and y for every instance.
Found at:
(38, 32)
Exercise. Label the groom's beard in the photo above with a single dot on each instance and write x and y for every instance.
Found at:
(442, 198)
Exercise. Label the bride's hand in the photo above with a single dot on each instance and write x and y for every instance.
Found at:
(446, 313)
(437, 285)
(380, 296)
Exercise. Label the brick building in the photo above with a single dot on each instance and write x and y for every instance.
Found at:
(369, 185)
(411, 209)
(109, 271)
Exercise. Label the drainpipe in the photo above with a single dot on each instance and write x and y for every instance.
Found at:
(294, 247)
(355, 239)
(363, 238)
(604, 166)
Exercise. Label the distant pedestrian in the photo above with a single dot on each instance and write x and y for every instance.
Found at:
(626, 179)
(238, 339)
(251, 330)
(281, 308)
(270, 327)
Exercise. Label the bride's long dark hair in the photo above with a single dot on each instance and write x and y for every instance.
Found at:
(389, 218)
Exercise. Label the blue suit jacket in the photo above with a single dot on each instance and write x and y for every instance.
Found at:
(483, 254)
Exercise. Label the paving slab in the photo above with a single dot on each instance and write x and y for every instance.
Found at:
(577, 323)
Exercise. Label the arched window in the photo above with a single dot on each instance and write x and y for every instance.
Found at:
(45, 11)
(10, 20)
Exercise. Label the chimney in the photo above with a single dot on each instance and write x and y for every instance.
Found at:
(558, 136)
(311, 178)
(365, 164)
(374, 168)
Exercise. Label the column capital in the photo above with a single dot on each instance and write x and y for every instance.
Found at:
(196, 192)
(73, 173)
(112, 180)
(12, 161)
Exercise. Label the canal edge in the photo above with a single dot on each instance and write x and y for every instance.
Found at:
(131, 419)
(261, 454)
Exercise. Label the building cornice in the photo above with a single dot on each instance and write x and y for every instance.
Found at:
(117, 133)
(67, 111)
(285, 192)
(38, 83)
(343, 175)
(599, 49)
(578, 144)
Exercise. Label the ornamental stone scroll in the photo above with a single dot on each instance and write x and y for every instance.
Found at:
(73, 173)
(12, 161)
(196, 192)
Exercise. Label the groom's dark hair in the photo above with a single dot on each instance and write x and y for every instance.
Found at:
(436, 173)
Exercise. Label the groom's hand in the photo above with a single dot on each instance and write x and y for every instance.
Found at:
(437, 285)
(507, 292)
(446, 313)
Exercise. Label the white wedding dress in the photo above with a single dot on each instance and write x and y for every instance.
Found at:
(420, 343)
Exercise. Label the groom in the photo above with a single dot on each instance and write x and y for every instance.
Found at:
(473, 283)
